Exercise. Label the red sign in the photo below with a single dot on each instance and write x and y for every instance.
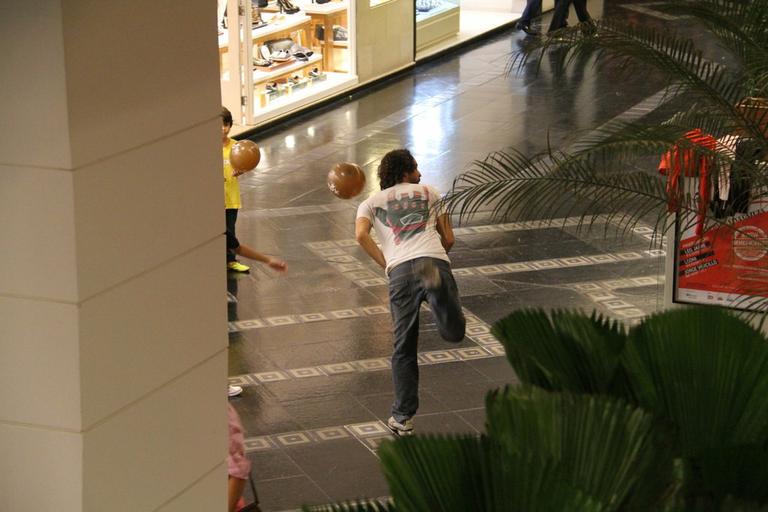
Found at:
(727, 265)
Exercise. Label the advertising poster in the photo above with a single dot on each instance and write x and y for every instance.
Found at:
(725, 265)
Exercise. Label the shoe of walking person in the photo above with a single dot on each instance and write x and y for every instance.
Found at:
(528, 29)
(236, 266)
(404, 428)
(234, 391)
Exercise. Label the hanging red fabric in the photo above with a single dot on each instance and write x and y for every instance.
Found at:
(684, 160)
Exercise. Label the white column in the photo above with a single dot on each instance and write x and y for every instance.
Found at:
(112, 289)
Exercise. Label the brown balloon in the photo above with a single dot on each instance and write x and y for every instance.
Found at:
(346, 180)
(244, 155)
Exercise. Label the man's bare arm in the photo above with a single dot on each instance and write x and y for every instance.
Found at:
(363, 237)
(445, 231)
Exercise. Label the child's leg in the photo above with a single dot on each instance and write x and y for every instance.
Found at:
(232, 242)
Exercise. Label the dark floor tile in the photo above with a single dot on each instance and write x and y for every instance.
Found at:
(442, 423)
(325, 411)
(343, 469)
(363, 383)
(497, 369)
(460, 395)
(272, 464)
(289, 493)
(475, 418)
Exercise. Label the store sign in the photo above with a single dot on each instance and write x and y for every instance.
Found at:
(727, 265)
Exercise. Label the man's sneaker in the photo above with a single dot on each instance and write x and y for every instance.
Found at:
(236, 266)
(234, 391)
(428, 273)
(400, 429)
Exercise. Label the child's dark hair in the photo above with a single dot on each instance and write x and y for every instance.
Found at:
(394, 166)
(226, 116)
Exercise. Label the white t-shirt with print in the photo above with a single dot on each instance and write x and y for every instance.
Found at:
(401, 218)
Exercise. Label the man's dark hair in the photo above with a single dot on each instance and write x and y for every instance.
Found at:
(394, 166)
(226, 116)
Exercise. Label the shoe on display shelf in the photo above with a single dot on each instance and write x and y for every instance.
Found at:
(287, 7)
(280, 55)
(340, 33)
(300, 52)
(426, 5)
(234, 391)
(316, 75)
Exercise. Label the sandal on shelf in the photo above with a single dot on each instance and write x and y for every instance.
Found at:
(280, 55)
(261, 63)
(300, 52)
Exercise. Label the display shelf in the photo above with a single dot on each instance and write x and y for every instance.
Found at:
(437, 25)
(285, 69)
(298, 99)
(291, 23)
(442, 8)
(310, 8)
(336, 44)
(326, 8)
(326, 15)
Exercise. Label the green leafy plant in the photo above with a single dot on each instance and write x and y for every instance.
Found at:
(687, 430)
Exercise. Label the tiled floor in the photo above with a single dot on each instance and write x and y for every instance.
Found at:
(311, 347)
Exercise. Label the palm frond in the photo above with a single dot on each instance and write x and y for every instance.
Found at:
(508, 185)
(563, 350)
(704, 369)
(460, 473)
(606, 447)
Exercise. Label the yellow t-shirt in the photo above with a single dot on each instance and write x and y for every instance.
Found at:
(231, 185)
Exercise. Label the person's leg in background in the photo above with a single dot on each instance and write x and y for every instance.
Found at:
(580, 6)
(532, 10)
(560, 16)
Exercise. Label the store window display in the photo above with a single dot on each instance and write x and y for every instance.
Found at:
(297, 50)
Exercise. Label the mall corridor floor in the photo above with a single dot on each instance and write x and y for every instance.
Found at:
(311, 348)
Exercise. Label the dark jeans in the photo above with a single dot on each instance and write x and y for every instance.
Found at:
(532, 10)
(232, 242)
(560, 17)
(406, 293)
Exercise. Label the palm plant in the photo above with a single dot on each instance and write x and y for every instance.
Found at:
(676, 419)
(600, 173)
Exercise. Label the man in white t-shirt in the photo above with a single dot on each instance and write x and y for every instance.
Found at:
(415, 239)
